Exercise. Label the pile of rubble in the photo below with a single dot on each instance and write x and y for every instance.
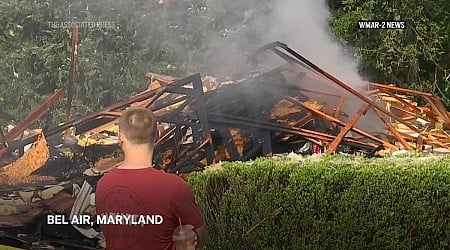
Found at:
(292, 107)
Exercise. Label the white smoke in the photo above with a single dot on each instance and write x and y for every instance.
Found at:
(305, 26)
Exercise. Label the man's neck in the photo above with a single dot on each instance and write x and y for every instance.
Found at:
(137, 158)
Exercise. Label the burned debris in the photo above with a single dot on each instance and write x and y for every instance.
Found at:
(292, 106)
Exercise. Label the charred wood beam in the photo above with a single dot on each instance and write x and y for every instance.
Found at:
(101, 113)
(177, 121)
(166, 102)
(180, 162)
(171, 141)
(274, 127)
(219, 99)
(251, 153)
(260, 111)
(101, 128)
(180, 108)
(147, 103)
(166, 134)
(302, 122)
(180, 90)
(262, 136)
(126, 102)
(229, 143)
(197, 135)
(318, 92)
(20, 144)
(200, 102)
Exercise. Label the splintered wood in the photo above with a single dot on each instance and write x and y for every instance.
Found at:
(313, 105)
(282, 109)
(21, 169)
(107, 163)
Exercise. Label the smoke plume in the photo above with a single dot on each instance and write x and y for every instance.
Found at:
(302, 24)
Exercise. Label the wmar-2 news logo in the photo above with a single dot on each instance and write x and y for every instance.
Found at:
(382, 24)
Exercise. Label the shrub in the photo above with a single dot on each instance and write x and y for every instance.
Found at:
(329, 202)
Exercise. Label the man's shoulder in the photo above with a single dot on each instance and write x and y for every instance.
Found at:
(173, 179)
(169, 176)
(155, 175)
(104, 179)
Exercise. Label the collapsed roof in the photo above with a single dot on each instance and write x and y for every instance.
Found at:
(285, 104)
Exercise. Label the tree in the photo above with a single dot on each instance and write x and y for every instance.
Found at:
(417, 57)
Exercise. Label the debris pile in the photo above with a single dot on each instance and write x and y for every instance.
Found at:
(32, 160)
(294, 106)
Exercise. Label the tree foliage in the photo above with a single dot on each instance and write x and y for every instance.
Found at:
(417, 57)
(189, 36)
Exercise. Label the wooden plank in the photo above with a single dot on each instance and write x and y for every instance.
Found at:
(433, 140)
(101, 127)
(440, 106)
(383, 86)
(160, 77)
(409, 113)
(33, 116)
(372, 92)
(338, 110)
(394, 131)
(72, 76)
(302, 122)
(113, 113)
(2, 139)
(428, 139)
(401, 100)
(362, 110)
(409, 118)
(332, 119)
(350, 89)
(419, 144)
(318, 92)
(435, 109)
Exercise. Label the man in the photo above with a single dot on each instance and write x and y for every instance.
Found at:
(136, 189)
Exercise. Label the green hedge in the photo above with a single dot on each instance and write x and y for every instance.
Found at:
(330, 202)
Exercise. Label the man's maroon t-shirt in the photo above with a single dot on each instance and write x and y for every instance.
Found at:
(143, 192)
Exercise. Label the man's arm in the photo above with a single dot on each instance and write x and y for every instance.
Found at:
(202, 235)
(186, 208)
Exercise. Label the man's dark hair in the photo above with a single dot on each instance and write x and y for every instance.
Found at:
(138, 125)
